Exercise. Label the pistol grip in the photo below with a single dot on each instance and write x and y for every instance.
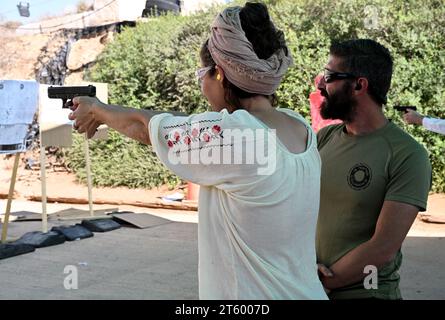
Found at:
(67, 103)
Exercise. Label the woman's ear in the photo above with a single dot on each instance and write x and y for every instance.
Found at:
(219, 74)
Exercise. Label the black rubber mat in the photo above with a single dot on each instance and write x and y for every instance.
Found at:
(13, 249)
(139, 220)
(63, 215)
(101, 225)
(75, 232)
(39, 239)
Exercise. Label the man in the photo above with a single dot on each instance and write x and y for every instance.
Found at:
(434, 125)
(375, 177)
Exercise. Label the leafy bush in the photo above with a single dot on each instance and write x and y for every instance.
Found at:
(152, 66)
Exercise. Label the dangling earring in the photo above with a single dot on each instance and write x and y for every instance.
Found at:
(218, 77)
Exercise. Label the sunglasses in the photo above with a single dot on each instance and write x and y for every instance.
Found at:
(201, 72)
(331, 76)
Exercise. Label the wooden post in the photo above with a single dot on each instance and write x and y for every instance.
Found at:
(43, 184)
(10, 195)
(88, 169)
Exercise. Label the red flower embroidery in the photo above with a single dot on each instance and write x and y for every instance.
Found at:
(206, 137)
(195, 133)
(216, 129)
(187, 140)
(177, 136)
(170, 143)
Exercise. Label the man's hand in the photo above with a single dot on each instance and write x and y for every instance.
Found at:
(413, 117)
(83, 114)
(324, 272)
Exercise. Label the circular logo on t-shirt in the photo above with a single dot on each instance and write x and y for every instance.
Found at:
(359, 176)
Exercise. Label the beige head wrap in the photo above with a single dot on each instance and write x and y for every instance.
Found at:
(232, 51)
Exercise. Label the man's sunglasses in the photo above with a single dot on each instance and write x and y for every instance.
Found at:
(331, 76)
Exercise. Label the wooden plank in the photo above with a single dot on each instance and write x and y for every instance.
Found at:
(10, 195)
(154, 205)
(43, 188)
(88, 169)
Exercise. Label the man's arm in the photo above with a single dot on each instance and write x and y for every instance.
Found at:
(89, 113)
(435, 125)
(394, 222)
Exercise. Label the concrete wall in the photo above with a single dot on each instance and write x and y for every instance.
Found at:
(79, 20)
(190, 6)
(130, 10)
(119, 10)
(105, 12)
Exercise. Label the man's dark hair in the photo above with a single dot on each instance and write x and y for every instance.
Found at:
(368, 59)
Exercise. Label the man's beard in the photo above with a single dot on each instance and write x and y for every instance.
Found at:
(340, 105)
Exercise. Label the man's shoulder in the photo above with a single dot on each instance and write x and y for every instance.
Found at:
(330, 129)
(401, 141)
(326, 133)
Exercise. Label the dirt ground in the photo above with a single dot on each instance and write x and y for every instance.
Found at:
(166, 263)
(62, 186)
(15, 61)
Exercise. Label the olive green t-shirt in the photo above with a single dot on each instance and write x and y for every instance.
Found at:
(358, 174)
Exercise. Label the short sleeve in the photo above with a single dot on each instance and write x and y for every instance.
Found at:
(198, 148)
(324, 134)
(321, 135)
(410, 179)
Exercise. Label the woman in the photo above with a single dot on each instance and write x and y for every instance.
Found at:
(258, 166)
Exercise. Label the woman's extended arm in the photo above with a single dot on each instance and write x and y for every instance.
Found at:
(89, 113)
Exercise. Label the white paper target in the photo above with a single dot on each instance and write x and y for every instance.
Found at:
(18, 105)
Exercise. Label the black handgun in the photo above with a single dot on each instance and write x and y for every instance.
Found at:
(68, 93)
(405, 108)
